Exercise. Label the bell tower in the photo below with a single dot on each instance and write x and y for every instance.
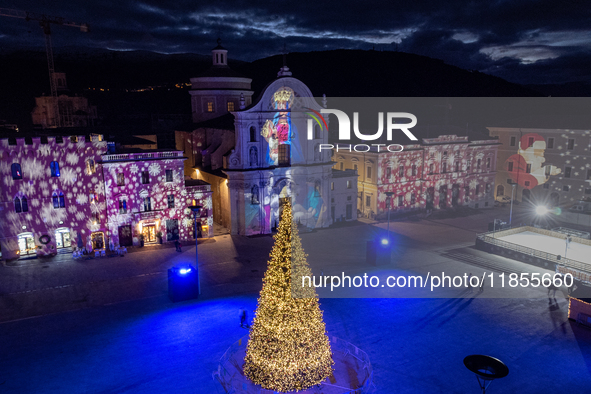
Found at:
(219, 55)
(219, 90)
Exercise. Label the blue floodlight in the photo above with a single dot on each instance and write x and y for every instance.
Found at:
(184, 271)
(183, 282)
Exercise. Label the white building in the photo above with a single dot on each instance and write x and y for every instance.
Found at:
(258, 156)
(74, 111)
(219, 90)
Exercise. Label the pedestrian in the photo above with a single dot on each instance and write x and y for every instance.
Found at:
(179, 247)
(572, 288)
(242, 315)
(176, 244)
(482, 285)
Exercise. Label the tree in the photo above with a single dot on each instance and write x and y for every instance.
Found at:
(288, 348)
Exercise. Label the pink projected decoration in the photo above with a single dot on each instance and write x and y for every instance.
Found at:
(527, 168)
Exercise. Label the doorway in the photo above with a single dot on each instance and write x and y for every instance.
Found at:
(429, 198)
(98, 240)
(26, 244)
(149, 232)
(62, 238)
(455, 195)
(443, 196)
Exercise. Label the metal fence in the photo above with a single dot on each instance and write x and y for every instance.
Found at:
(489, 238)
(232, 380)
(574, 233)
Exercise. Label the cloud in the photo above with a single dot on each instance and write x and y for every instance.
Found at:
(539, 45)
(524, 53)
(465, 37)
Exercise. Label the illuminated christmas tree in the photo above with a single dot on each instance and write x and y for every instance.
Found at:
(288, 348)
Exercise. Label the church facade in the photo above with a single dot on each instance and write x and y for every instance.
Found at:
(259, 156)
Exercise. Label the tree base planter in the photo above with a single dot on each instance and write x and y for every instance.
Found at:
(288, 348)
(577, 306)
(352, 371)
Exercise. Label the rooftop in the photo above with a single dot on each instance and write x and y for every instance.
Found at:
(224, 122)
(220, 72)
(343, 173)
(195, 182)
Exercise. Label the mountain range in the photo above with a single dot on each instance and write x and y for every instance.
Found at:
(163, 78)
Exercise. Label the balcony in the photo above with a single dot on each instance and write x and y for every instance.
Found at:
(142, 156)
(155, 214)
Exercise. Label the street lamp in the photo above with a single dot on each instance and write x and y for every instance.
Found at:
(513, 186)
(541, 210)
(196, 209)
(389, 203)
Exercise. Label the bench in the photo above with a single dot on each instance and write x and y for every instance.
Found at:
(584, 319)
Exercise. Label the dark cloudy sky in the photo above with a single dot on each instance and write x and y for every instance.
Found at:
(530, 41)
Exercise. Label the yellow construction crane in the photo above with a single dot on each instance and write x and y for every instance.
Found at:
(45, 22)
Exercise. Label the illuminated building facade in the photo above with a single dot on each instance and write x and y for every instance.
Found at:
(53, 194)
(257, 156)
(147, 197)
(273, 159)
(547, 166)
(60, 192)
(438, 173)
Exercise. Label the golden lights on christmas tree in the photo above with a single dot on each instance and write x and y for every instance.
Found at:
(288, 348)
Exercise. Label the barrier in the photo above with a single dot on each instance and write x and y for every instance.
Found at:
(231, 378)
(491, 238)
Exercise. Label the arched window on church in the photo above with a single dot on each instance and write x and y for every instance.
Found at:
(253, 156)
(254, 199)
(24, 204)
(253, 134)
(317, 132)
(317, 155)
(317, 188)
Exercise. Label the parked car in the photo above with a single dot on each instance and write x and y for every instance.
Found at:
(503, 200)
